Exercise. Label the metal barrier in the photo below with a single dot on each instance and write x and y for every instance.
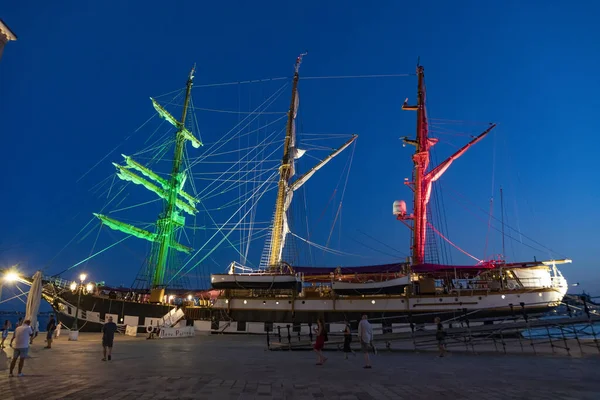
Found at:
(518, 333)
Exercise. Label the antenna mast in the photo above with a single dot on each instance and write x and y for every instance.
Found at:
(422, 179)
(502, 214)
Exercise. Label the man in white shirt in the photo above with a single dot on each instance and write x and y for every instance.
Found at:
(365, 335)
(21, 346)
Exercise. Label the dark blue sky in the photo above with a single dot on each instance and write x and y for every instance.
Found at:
(77, 82)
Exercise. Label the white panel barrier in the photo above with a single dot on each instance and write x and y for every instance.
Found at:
(131, 320)
(169, 333)
(131, 330)
(93, 316)
(202, 327)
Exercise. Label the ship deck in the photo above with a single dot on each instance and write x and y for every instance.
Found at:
(203, 367)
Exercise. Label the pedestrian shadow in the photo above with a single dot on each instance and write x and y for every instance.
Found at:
(123, 359)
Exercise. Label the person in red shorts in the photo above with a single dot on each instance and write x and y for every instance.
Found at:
(321, 339)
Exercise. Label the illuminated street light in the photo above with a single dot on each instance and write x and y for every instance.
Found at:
(11, 276)
(78, 288)
(190, 297)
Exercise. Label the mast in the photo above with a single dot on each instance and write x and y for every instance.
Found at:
(171, 190)
(285, 191)
(170, 220)
(421, 161)
(285, 172)
(422, 180)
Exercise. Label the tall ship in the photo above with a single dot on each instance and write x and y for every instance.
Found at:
(248, 298)
(410, 291)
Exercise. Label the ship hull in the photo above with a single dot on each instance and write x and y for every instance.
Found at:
(396, 309)
(254, 281)
(266, 311)
(93, 310)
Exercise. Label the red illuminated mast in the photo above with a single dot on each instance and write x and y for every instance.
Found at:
(422, 178)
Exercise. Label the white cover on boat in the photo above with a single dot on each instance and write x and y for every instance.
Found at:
(34, 298)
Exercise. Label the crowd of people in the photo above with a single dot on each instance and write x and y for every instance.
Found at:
(365, 338)
(24, 335)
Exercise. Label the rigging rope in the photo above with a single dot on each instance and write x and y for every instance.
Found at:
(325, 248)
(92, 256)
(241, 82)
(343, 193)
(380, 242)
(473, 205)
(226, 236)
(452, 244)
(357, 76)
(238, 112)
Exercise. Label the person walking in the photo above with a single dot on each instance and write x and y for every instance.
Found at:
(365, 335)
(5, 328)
(50, 328)
(108, 337)
(440, 336)
(320, 342)
(22, 335)
(347, 340)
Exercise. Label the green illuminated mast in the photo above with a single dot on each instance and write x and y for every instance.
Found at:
(171, 190)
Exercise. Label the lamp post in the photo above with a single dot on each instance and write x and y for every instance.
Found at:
(78, 288)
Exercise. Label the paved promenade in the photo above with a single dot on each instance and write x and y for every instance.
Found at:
(228, 367)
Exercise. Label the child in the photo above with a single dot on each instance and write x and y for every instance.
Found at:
(5, 329)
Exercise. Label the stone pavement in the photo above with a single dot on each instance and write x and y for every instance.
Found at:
(238, 367)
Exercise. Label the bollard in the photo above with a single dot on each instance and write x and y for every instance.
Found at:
(279, 333)
(289, 336)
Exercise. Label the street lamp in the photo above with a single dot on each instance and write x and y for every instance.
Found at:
(11, 276)
(79, 288)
